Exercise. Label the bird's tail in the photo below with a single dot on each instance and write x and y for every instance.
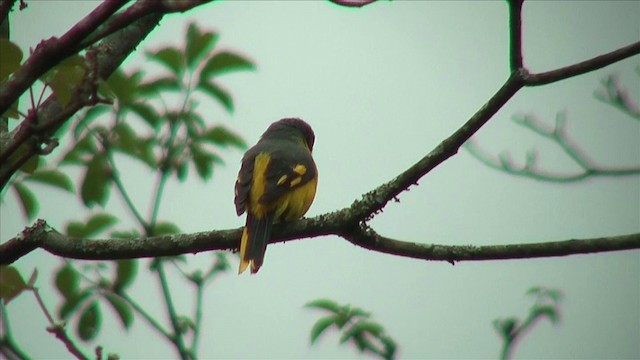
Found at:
(253, 245)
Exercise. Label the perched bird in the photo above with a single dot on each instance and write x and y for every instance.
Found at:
(277, 182)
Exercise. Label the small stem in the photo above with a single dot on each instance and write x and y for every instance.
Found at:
(177, 336)
(115, 176)
(58, 329)
(6, 340)
(162, 179)
(198, 316)
(42, 306)
(505, 354)
(142, 312)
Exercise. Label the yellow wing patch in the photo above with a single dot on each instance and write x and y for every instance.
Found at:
(282, 179)
(300, 169)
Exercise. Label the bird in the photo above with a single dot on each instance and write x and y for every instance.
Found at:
(276, 183)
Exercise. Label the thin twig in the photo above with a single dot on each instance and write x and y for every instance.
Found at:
(58, 329)
(198, 316)
(173, 316)
(145, 315)
(6, 340)
(583, 67)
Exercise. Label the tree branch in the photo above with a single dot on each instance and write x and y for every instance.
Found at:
(515, 34)
(350, 222)
(51, 52)
(42, 236)
(559, 136)
(107, 56)
(353, 3)
(583, 67)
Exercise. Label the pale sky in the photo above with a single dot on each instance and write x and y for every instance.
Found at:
(382, 86)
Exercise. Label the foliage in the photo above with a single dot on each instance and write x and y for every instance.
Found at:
(156, 121)
(356, 327)
(546, 305)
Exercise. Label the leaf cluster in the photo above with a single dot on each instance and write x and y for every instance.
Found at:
(356, 327)
(545, 306)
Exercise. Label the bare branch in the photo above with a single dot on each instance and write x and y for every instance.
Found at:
(137, 11)
(515, 34)
(614, 95)
(530, 169)
(353, 3)
(349, 223)
(583, 67)
(42, 236)
(369, 239)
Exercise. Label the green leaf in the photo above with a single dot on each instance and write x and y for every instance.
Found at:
(170, 57)
(90, 321)
(320, 326)
(87, 117)
(10, 57)
(121, 308)
(165, 228)
(554, 294)
(65, 77)
(221, 136)
(124, 87)
(32, 164)
(76, 155)
(67, 281)
(155, 87)
(505, 326)
(390, 347)
(182, 171)
(356, 330)
(224, 62)
(147, 113)
(73, 303)
(125, 274)
(75, 229)
(93, 226)
(11, 283)
(52, 177)
(357, 312)
(98, 223)
(28, 200)
(548, 311)
(198, 44)
(203, 160)
(124, 234)
(96, 182)
(217, 93)
(324, 304)
(12, 111)
(130, 144)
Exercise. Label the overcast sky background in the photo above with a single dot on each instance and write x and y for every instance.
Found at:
(382, 86)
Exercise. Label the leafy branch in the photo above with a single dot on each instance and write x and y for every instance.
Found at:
(512, 329)
(356, 327)
(187, 140)
(11, 285)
